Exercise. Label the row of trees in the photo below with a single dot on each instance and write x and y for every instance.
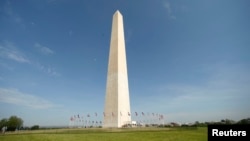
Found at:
(12, 123)
(223, 121)
(226, 121)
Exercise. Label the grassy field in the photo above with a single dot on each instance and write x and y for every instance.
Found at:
(135, 134)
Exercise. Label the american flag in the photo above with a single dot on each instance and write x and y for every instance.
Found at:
(161, 117)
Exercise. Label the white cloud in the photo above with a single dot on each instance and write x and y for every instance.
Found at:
(17, 57)
(128, 35)
(43, 49)
(32, 23)
(167, 6)
(6, 66)
(225, 83)
(70, 33)
(224, 94)
(49, 70)
(9, 51)
(12, 15)
(52, 1)
(13, 96)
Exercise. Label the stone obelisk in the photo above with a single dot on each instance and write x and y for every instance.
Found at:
(117, 103)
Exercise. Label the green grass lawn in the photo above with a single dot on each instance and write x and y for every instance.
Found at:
(135, 134)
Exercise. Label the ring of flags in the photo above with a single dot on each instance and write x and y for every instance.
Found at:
(93, 120)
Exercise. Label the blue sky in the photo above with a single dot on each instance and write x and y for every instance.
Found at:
(188, 60)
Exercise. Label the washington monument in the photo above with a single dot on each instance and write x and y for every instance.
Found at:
(117, 103)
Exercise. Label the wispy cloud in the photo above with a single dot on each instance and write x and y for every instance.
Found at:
(52, 1)
(43, 49)
(70, 33)
(13, 96)
(224, 84)
(6, 66)
(128, 35)
(12, 16)
(224, 94)
(49, 70)
(8, 50)
(168, 7)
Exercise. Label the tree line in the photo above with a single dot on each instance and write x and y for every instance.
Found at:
(204, 124)
(16, 123)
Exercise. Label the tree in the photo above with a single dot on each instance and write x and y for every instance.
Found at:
(14, 123)
(3, 122)
(35, 127)
(244, 121)
(227, 121)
